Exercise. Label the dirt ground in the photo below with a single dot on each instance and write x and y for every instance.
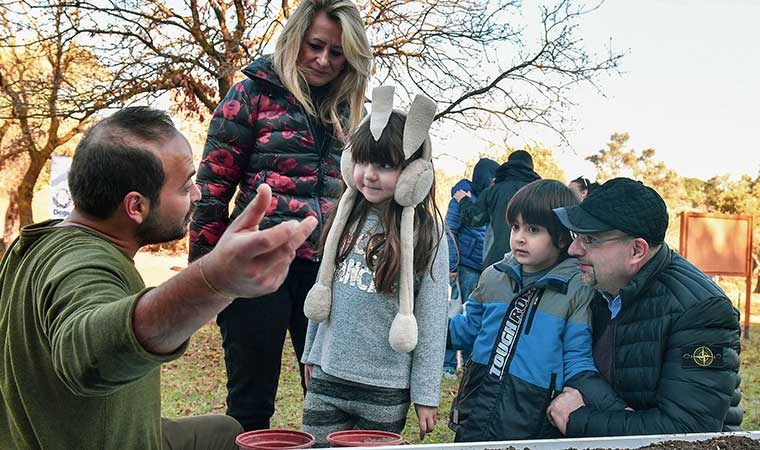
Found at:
(718, 443)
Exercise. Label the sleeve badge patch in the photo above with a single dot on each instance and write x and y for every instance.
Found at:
(702, 356)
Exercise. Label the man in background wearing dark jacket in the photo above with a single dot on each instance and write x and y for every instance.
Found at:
(466, 246)
(491, 206)
(665, 337)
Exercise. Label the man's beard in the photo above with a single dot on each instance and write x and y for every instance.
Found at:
(153, 231)
(588, 278)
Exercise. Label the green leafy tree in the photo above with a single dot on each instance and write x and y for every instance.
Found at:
(617, 160)
(737, 197)
(695, 191)
(614, 161)
(544, 162)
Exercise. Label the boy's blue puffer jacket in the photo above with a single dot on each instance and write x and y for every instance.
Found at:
(505, 397)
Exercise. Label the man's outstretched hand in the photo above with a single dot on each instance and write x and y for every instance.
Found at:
(247, 262)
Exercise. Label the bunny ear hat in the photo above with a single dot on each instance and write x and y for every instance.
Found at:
(414, 183)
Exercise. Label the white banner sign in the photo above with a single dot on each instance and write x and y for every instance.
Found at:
(61, 204)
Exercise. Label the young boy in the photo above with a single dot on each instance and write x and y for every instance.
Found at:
(528, 326)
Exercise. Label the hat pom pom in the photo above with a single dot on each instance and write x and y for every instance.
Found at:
(403, 334)
(317, 304)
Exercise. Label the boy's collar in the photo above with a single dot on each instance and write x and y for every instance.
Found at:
(554, 279)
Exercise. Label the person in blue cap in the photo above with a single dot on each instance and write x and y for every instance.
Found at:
(491, 206)
(466, 245)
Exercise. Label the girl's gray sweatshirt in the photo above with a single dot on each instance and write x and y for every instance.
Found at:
(352, 343)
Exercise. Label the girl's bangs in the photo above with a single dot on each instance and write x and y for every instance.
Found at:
(388, 150)
(374, 152)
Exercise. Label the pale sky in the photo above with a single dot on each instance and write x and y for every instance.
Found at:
(689, 88)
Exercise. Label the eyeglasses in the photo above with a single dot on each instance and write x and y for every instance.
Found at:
(588, 242)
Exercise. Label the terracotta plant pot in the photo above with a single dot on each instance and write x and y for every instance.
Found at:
(274, 439)
(363, 438)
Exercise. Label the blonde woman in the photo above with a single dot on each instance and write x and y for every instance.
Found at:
(284, 125)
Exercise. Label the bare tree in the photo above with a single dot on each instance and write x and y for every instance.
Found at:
(472, 60)
(466, 54)
(197, 47)
(51, 86)
(75, 58)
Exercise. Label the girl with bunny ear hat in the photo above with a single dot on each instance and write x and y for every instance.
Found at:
(377, 313)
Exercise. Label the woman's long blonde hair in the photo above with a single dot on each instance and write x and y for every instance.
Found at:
(350, 85)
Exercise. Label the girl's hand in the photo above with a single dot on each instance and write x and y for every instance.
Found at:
(426, 417)
(307, 374)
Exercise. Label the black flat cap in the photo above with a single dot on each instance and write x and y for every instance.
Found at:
(619, 204)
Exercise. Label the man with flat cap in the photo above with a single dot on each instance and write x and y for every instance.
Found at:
(665, 337)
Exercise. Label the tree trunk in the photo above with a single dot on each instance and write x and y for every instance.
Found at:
(25, 191)
(757, 285)
(11, 227)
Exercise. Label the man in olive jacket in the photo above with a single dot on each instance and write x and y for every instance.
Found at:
(82, 339)
(665, 336)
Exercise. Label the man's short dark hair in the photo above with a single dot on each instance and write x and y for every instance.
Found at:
(586, 184)
(113, 159)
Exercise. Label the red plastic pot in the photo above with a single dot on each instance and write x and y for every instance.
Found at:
(274, 439)
(363, 438)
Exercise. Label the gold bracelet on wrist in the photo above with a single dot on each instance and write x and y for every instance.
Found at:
(208, 283)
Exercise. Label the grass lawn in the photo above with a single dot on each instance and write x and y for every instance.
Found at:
(750, 373)
(194, 384)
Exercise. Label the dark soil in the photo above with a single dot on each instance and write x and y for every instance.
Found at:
(718, 443)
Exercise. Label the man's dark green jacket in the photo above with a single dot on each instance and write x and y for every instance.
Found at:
(676, 355)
